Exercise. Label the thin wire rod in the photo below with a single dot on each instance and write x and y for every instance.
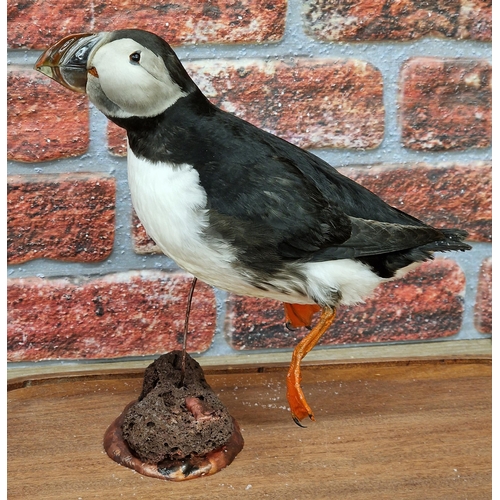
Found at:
(186, 328)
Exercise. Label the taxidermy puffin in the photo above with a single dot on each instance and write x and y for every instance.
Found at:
(235, 206)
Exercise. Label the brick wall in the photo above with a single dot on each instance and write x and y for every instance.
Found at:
(396, 94)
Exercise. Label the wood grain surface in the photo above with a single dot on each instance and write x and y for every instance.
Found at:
(384, 430)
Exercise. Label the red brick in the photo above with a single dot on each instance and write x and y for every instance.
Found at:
(311, 103)
(192, 21)
(60, 216)
(44, 120)
(483, 307)
(143, 244)
(443, 195)
(372, 20)
(38, 24)
(445, 104)
(127, 314)
(426, 304)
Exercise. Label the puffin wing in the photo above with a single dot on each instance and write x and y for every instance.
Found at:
(290, 202)
(277, 206)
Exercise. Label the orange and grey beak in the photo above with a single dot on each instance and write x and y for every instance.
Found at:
(66, 61)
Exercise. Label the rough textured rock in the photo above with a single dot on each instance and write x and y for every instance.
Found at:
(172, 420)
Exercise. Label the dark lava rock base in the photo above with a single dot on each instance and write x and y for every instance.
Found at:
(176, 430)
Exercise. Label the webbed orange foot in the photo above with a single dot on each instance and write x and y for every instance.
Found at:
(296, 399)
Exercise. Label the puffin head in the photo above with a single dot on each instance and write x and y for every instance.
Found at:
(125, 73)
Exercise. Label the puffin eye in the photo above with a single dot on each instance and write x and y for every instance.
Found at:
(135, 57)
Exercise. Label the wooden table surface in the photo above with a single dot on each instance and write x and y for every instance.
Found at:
(384, 430)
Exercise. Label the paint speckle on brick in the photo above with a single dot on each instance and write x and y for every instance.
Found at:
(37, 25)
(40, 24)
(192, 21)
(476, 20)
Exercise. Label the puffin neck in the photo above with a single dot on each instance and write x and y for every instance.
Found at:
(194, 102)
(172, 136)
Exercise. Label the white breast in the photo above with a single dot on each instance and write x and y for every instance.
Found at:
(171, 205)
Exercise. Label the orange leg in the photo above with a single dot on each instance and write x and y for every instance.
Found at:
(296, 399)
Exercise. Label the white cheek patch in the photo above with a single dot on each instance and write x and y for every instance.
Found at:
(142, 89)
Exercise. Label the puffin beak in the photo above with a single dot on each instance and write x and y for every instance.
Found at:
(66, 61)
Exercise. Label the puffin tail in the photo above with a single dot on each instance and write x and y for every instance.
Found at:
(452, 241)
